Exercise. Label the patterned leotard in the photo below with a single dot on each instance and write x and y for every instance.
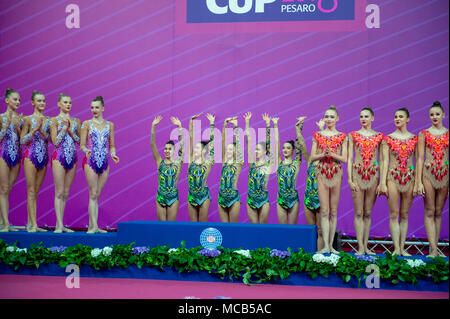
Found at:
(287, 180)
(66, 150)
(198, 191)
(228, 194)
(257, 186)
(401, 170)
(168, 178)
(98, 142)
(436, 164)
(328, 169)
(197, 175)
(37, 144)
(367, 171)
(311, 191)
(10, 143)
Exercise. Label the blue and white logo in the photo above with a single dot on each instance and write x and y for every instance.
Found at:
(211, 238)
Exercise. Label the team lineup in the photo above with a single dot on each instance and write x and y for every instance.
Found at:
(399, 166)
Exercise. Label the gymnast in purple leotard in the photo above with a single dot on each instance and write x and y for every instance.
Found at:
(10, 127)
(64, 132)
(34, 136)
(97, 142)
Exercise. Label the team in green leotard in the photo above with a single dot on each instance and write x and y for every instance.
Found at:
(263, 163)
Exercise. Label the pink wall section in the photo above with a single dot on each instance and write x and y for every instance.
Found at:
(131, 53)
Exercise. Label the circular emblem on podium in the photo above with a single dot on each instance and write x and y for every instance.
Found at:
(211, 238)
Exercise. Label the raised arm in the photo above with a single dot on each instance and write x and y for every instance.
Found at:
(177, 122)
(237, 142)
(300, 145)
(155, 153)
(211, 119)
(191, 137)
(278, 158)
(270, 153)
(112, 144)
(248, 139)
(224, 129)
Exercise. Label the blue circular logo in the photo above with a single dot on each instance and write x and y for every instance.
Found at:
(211, 238)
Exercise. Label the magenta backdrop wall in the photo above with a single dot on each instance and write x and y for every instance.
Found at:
(130, 53)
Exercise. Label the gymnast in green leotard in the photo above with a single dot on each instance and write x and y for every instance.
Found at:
(311, 203)
(167, 201)
(232, 159)
(258, 197)
(200, 165)
(287, 172)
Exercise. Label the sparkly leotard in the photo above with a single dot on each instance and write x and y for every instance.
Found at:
(228, 194)
(66, 150)
(37, 144)
(257, 186)
(10, 143)
(168, 174)
(328, 169)
(258, 177)
(311, 191)
(197, 175)
(98, 143)
(366, 171)
(287, 179)
(436, 164)
(401, 170)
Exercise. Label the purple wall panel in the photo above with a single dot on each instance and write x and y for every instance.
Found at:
(130, 53)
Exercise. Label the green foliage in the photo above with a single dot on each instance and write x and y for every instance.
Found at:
(254, 266)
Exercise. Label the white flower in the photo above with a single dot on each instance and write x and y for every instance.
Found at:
(107, 251)
(414, 263)
(21, 250)
(244, 252)
(332, 259)
(96, 252)
(10, 249)
(172, 250)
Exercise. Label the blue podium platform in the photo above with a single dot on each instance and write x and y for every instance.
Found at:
(154, 233)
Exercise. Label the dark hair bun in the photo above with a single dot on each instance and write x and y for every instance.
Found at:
(8, 92)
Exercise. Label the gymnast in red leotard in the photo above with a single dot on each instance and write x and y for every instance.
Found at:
(397, 178)
(363, 175)
(432, 175)
(330, 149)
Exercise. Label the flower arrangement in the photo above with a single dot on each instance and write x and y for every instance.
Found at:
(255, 266)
